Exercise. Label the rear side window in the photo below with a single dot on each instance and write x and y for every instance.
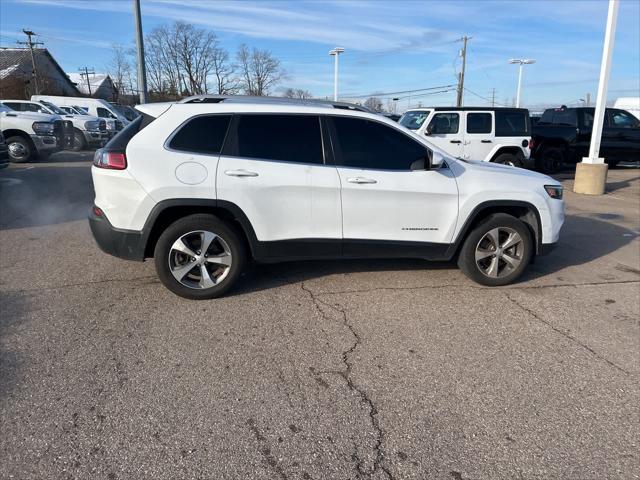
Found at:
(479, 123)
(104, 113)
(565, 117)
(203, 134)
(444, 123)
(284, 138)
(371, 145)
(512, 123)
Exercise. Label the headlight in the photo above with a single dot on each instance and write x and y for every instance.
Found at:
(43, 128)
(92, 125)
(554, 191)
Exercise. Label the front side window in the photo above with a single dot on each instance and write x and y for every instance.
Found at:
(370, 145)
(512, 123)
(33, 107)
(284, 138)
(104, 113)
(444, 123)
(204, 134)
(413, 120)
(622, 119)
(479, 123)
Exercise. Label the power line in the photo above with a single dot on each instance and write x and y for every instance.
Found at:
(385, 94)
(490, 100)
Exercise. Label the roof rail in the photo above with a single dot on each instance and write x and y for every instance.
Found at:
(273, 100)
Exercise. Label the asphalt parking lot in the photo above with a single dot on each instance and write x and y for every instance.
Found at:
(315, 370)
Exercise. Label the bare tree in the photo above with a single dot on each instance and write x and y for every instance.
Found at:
(163, 65)
(195, 49)
(374, 104)
(120, 70)
(297, 93)
(224, 72)
(259, 70)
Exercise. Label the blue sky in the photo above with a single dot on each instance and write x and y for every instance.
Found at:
(390, 45)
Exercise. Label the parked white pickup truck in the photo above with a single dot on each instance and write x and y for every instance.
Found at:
(88, 131)
(32, 135)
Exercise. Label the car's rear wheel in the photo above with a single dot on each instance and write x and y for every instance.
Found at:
(20, 149)
(510, 159)
(497, 251)
(199, 257)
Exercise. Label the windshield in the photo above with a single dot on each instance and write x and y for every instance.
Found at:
(53, 108)
(414, 119)
(80, 110)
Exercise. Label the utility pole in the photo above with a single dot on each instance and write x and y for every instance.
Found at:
(31, 44)
(588, 99)
(463, 54)
(493, 97)
(142, 71)
(85, 72)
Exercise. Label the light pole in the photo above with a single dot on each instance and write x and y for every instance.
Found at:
(521, 62)
(142, 71)
(591, 172)
(335, 53)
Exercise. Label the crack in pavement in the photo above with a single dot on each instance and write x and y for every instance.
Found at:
(565, 334)
(477, 287)
(265, 451)
(346, 376)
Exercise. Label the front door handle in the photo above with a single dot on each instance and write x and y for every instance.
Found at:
(485, 141)
(240, 173)
(455, 141)
(361, 180)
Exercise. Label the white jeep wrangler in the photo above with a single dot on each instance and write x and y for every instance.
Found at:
(205, 184)
(499, 135)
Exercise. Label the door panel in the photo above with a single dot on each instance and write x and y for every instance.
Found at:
(283, 200)
(478, 136)
(412, 206)
(448, 132)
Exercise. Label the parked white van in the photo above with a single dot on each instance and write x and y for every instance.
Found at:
(499, 135)
(93, 106)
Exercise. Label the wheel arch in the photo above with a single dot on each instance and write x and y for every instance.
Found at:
(514, 150)
(168, 211)
(524, 211)
(13, 132)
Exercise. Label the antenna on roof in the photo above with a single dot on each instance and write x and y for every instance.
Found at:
(31, 44)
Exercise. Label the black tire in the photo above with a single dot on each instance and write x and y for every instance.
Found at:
(523, 251)
(22, 145)
(79, 142)
(199, 222)
(551, 160)
(612, 164)
(509, 159)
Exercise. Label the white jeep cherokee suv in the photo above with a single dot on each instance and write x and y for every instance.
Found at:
(205, 184)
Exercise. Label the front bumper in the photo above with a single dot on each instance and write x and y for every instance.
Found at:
(126, 244)
(96, 137)
(46, 143)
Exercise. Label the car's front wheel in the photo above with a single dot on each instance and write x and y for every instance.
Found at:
(497, 251)
(199, 257)
(20, 149)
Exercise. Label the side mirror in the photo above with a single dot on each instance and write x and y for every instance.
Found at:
(420, 164)
(437, 159)
(430, 129)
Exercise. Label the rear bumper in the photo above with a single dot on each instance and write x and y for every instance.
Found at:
(126, 244)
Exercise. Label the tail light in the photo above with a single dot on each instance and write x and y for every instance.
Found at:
(110, 160)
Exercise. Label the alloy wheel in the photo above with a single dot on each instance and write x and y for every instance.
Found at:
(18, 150)
(200, 259)
(499, 252)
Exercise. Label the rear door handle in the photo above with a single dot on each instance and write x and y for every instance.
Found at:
(361, 180)
(455, 141)
(240, 173)
(485, 141)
